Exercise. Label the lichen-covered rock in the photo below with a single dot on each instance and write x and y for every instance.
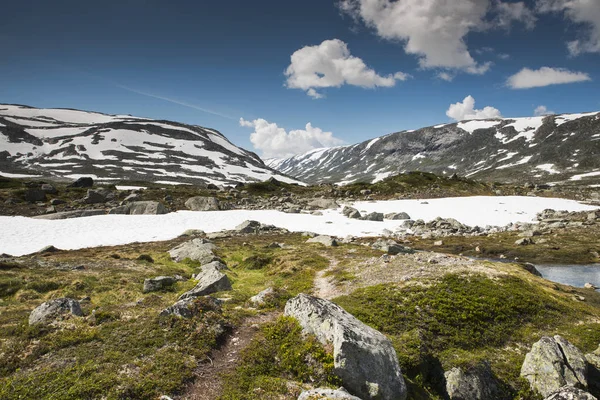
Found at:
(158, 283)
(476, 383)
(196, 250)
(140, 208)
(396, 216)
(50, 311)
(248, 227)
(216, 265)
(324, 240)
(364, 358)
(552, 363)
(200, 203)
(327, 394)
(192, 306)
(374, 216)
(210, 280)
(259, 299)
(322, 204)
(570, 393)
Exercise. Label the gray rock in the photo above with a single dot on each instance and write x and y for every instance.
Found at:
(531, 269)
(259, 299)
(327, 394)
(570, 393)
(322, 204)
(33, 195)
(391, 247)
(48, 188)
(476, 383)
(364, 358)
(50, 311)
(94, 197)
(553, 363)
(213, 265)
(71, 214)
(132, 197)
(140, 208)
(83, 182)
(158, 283)
(191, 307)
(210, 280)
(200, 203)
(196, 250)
(396, 216)
(324, 240)
(374, 216)
(248, 227)
(351, 212)
(57, 202)
(524, 242)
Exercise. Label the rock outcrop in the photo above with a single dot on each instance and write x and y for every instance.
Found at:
(552, 363)
(364, 358)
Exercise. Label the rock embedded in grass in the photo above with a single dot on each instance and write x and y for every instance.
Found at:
(324, 240)
(196, 250)
(259, 299)
(475, 383)
(52, 310)
(192, 306)
(364, 358)
(158, 283)
(327, 394)
(210, 280)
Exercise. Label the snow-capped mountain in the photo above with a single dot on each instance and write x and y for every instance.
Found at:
(67, 143)
(554, 148)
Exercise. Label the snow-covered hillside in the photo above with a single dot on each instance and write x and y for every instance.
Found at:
(555, 148)
(70, 143)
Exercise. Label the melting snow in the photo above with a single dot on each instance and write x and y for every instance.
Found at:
(549, 168)
(580, 176)
(472, 126)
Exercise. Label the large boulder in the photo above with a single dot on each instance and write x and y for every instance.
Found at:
(552, 363)
(210, 280)
(320, 204)
(374, 216)
(397, 216)
(364, 358)
(327, 394)
(52, 310)
(200, 203)
(158, 283)
(248, 227)
(83, 182)
(570, 393)
(192, 306)
(324, 240)
(475, 383)
(196, 250)
(140, 208)
(351, 212)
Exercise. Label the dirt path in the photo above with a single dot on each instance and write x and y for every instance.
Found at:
(323, 285)
(208, 382)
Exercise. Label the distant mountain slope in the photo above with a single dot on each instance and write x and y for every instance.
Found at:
(70, 143)
(555, 148)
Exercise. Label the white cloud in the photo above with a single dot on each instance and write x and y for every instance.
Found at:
(545, 76)
(435, 30)
(466, 110)
(275, 142)
(330, 64)
(542, 110)
(445, 76)
(586, 12)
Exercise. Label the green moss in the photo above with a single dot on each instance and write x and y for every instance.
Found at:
(256, 261)
(280, 352)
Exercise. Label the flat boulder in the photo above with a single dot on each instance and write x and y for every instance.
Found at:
(475, 383)
(570, 393)
(552, 363)
(396, 216)
(364, 358)
(158, 283)
(324, 240)
(327, 394)
(140, 208)
(321, 204)
(196, 250)
(201, 203)
(52, 310)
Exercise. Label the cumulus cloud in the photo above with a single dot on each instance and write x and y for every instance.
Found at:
(435, 30)
(330, 64)
(545, 76)
(585, 12)
(466, 110)
(274, 142)
(542, 110)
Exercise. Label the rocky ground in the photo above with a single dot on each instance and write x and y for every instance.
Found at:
(262, 313)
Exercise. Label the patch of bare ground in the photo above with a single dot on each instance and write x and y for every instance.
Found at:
(208, 383)
(325, 285)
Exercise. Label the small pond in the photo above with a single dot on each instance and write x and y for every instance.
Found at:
(573, 275)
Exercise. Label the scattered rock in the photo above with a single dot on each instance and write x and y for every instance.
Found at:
(196, 250)
(83, 182)
(94, 197)
(327, 394)
(552, 363)
(49, 189)
(364, 358)
(158, 283)
(50, 311)
(321, 204)
(259, 299)
(132, 197)
(192, 306)
(140, 208)
(210, 280)
(391, 247)
(524, 242)
(570, 393)
(374, 216)
(248, 227)
(71, 214)
(396, 216)
(324, 240)
(200, 203)
(475, 383)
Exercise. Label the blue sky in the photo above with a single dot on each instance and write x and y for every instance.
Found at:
(172, 60)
